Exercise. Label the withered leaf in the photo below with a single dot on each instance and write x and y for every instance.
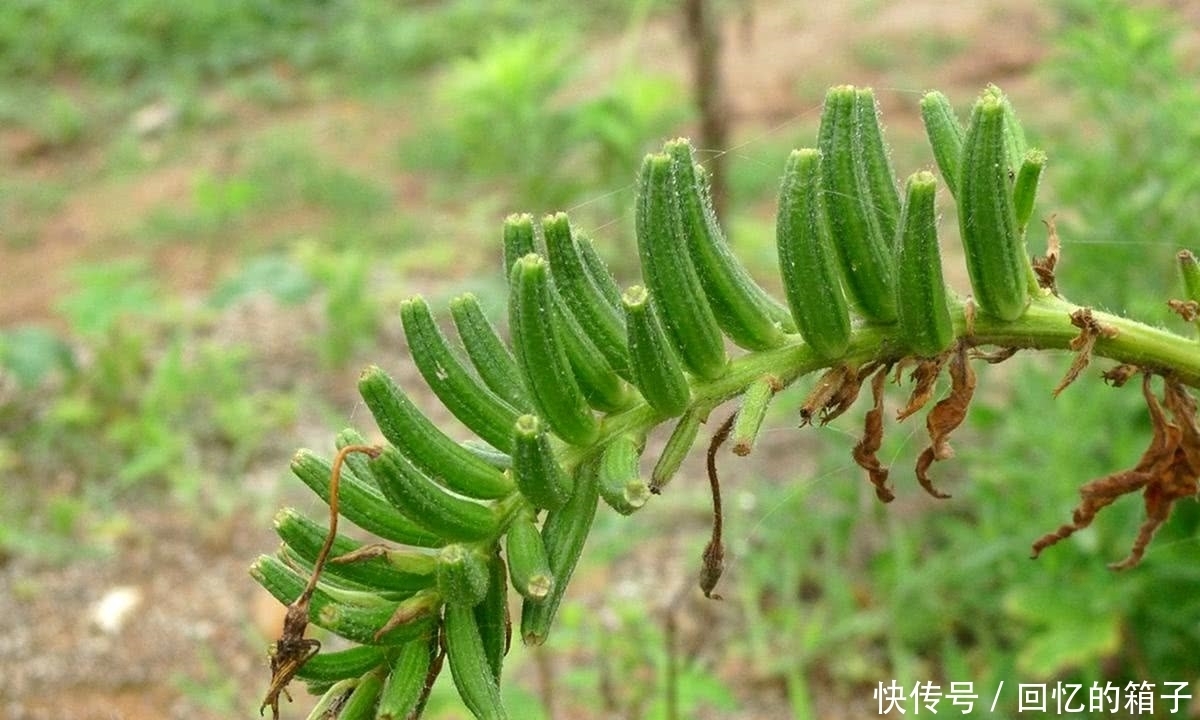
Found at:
(925, 377)
(1090, 330)
(1044, 266)
(945, 417)
(866, 451)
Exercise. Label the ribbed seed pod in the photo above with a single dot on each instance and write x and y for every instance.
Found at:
(669, 274)
(925, 324)
(520, 239)
(460, 390)
(996, 259)
(677, 448)
(602, 387)
(361, 504)
(582, 294)
(406, 688)
(598, 271)
(421, 441)
(363, 700)
(462, 575)
(1026, 186)
(750, 415)
(856, 200)
(656, 369)
(426, 503)
(541, 355)
(876, 156)
(306, 537)
(563, 533)
(619, 475)
(807, 259)
(536, 471)
(491, 615)
(1014, 134)
(329, 667)
(473, 677)
(743, 310)
(529, 566)
(491, 357)
(1189, 274)
(357, 621)
(945, 134)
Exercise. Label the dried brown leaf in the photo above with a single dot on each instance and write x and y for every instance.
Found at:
(1120, 374)
(1044, 266)
(945, 417)
(865, 452)
(924, 377)
(1090, 330)
(827, 386)
(1189, 310)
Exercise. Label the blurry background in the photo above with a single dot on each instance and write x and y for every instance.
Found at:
(210, 211)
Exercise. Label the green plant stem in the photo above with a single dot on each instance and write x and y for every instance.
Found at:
(1045, 325)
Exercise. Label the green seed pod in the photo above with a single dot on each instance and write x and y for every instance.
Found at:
(657, 372)
(539, 477)
(601, 386)
(750, 415)
(356, 462)
(422, 442)
(996, 260)
(925, 323)
(357, 622)
(563, 534)
(669, 272)
(406, 688)
(364, 698)
(488, 454)
(582, 294)
(1014, 134)
(807, 260)
(598, 271)
(491, 615)
(469, 664)
(461, 391)
(491, 357)
(621, 482)
(333, 698)
(1026, 186)
(1189, 274)
(742, 309)
(945, 134)
(520, 239)
(306, 537)
(329, 667)
(677, 448)
(361, 504)
(542, 357)
(527, 561)
(856, 176)
(425, 502)
(462, 575)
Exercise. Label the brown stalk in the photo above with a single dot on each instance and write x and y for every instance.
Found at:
(713, 559)
(292, 650)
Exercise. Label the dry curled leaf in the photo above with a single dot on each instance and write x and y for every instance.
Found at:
(1090, 330)
(924, 377)
(995, 357)
(945, 417)
(1121, 374)
(1168, 470)
(1044, 266)
(866, 451)
(828, 386)
(1189, 310)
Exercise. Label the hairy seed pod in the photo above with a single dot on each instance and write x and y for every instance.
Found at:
(421, 441)
(538, 475)
(858, 196)
(469, 664)
(359, 620)
(656, 369)
(1026, 186)
(406, 687)
(742, 309)
(996, 261)
(426, 503)
(925, 323)
(564, 533)
(461, 391)
(945, 134)
(361, 703)
(529, 566)
(491, 615)
(491, 357)
(807, 259)
(582, 294)
(360, 503)
(669, 273)
(598, 271)
(621, 482)
(462, 575)
(750, 415)
(542, 357)
(1189, 274)
(677, 448)
(305, 537)
(520, 239)
(603, 389)
(328, 667)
